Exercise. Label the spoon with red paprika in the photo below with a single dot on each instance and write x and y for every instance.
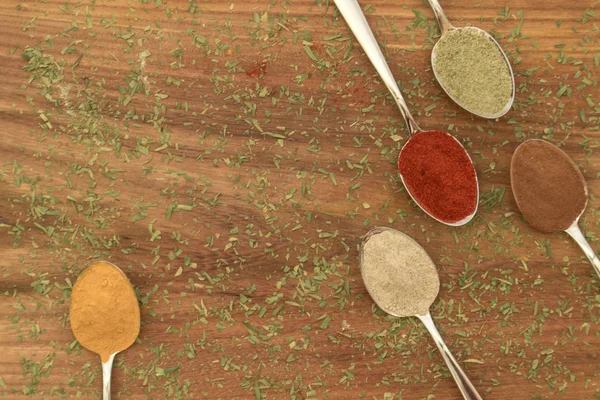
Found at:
(434, 166)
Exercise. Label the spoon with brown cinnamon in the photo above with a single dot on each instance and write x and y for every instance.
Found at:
(105, 314)
(550, 191)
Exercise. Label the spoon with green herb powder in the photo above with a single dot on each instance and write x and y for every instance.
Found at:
(472, 68)
(403, 281)
(550, 191)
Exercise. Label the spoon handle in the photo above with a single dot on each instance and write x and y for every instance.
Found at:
(460, 377)
(106, 374)
(577, 235)
(442, 20)
(355, 18)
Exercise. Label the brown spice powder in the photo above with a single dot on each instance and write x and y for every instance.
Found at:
(105, 315)
(398, 273)
(549, 188)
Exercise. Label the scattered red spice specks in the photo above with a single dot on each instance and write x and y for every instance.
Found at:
(257, 69)
(316, 47)
(439, 174)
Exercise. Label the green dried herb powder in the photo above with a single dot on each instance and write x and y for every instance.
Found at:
(473, 71)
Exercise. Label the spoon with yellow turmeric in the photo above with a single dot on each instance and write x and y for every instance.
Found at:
(105, 314)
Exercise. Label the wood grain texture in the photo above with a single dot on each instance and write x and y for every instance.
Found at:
(251, 289)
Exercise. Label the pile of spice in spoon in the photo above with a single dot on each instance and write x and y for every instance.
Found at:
(105, 314)
(472, 68)
(403, 281)
(439, 175)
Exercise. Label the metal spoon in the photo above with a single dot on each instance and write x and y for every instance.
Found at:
(573, 230)
(355, 18)
(106, 365)
(577, 235)
(463, 382)
(106, 376)
(445, 27)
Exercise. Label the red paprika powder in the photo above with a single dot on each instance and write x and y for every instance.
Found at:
(440, 176)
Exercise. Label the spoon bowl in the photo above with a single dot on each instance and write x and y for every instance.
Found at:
(540, 191)
(457, 100)
(100, 323)
(419, 198)
(352, 13)
(445, 28)
(404, 288)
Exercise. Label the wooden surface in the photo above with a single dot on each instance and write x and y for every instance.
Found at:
(234, 187)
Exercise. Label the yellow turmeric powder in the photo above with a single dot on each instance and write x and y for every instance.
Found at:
(105, 314)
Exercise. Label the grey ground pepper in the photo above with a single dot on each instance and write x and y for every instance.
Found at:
(473, 70)
(398, 273)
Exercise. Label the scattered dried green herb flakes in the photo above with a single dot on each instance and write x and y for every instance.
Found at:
(231, 169)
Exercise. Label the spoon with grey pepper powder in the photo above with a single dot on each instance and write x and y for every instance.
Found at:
(403, 281)
(550, 191)
(472, 68)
